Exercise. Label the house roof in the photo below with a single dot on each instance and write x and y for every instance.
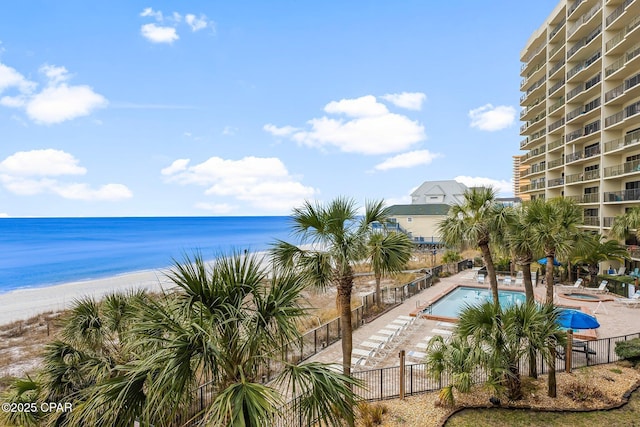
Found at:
(432, 209)
(440, 187)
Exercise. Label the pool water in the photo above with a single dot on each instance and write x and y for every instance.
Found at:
(451, 304)
(585, 297)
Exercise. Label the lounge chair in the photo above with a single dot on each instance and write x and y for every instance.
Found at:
(602, 289)
(480, 278)
(507, 280)
(634, 301)
(635, 272)
(575, 285)
(620, 271)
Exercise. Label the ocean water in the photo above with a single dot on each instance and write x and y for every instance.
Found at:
(36, 252)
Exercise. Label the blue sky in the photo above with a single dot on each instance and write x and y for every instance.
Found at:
(130, 108)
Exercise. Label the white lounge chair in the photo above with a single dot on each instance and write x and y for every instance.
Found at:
(634, 301)
(507, 280)
(576, 285)
(602, 289)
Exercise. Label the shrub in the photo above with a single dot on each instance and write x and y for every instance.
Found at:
(629, 350)
(371, 415)
(583, 391)
(477, 261)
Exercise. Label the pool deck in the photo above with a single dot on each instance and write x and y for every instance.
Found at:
(615, 319)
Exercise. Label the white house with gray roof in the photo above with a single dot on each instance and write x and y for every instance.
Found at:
(448, 192)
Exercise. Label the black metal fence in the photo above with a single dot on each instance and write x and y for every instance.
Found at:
(314, 341)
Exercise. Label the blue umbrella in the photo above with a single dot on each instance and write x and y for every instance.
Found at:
(575, 319)
(543, 261)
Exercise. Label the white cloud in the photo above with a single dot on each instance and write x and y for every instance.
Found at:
(408, 100)
(262, 182)
(279, 131)
(57, 102)
(503, 187)
(9, 78)
(492, 118)
(33, 172)
(47, 162)
(175, 167)
(157, 15)
(408, 160)
(157, 34)
(229, 130)
(365, 106)
(196, 23)
(368, 129)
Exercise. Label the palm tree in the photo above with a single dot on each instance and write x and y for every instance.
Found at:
(598, 252)
(627, 224)
(517, 239)
(472, 223)
(553, 230)
(455, 359)
(332, 238)
(387, 253)
(501, 337)
(200, 354)
(451, 257)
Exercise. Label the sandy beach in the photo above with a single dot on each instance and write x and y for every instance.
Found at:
(22, 304)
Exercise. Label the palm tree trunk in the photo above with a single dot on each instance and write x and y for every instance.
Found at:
(491, 272)
(378, 290)
(551, 391)
(549, 277)
(344, 301)
(528, 283)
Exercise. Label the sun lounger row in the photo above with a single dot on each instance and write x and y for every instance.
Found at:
(377, 346)
(633, 302)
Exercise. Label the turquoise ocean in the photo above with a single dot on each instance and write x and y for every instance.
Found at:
(37, 252)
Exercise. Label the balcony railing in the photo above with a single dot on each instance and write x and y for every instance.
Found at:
(592, 221)
(556, 86)
(629, 111)
(584, 18)
(622, 196)
(555, 143)
(584, 41)
(556, 67)
(628, 56)
(607, 221)
(582, 176)
(631, 138)
(615, 40)
(574, 6)
(555, 125)
(573, 135)
(634, 251)
(555, 182)
(559, 103)
(573, 156)
(558, 27)
(592, 151)
(623, 168)
(614, 93)
(590, 198)
(617, 12)
(555, 163)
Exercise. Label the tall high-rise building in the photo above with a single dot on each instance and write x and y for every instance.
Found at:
(581, 108)
(518, 168)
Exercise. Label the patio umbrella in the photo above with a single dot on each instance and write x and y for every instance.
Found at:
(575, 319)
(543, 261)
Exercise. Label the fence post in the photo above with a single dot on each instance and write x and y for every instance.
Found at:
(568, 351)
(402, 355)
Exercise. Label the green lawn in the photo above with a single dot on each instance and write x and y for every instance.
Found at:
(627, 416)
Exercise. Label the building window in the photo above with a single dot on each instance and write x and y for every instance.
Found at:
(409, 219)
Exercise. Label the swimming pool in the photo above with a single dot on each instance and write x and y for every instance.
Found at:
(452, 303)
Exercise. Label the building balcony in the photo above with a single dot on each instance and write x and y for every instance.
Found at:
(553, 145)
(591, 221)
(572, 30)
(582, 176)
(611, 18)
(558, 27)
(621, 40)
(555, 163)
(617, 119)
(625, 59)
(555, 182)
(607, 221)
(585, 198)
(629, 140)
(622, 196)
(622, 169)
